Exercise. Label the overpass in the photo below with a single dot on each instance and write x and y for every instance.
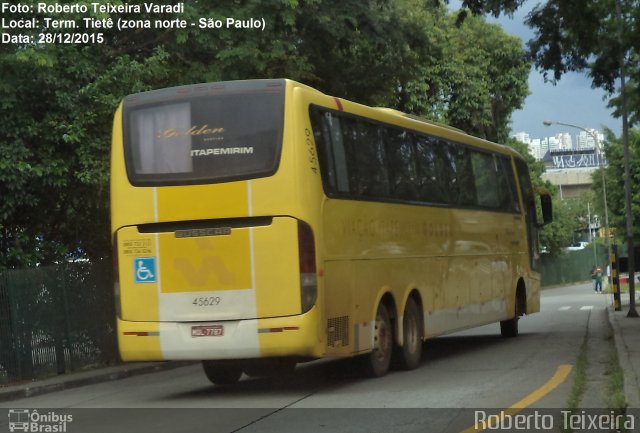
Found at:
(572, 170)
(571, 181)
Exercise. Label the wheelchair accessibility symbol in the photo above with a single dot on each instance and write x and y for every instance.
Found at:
(145, 269)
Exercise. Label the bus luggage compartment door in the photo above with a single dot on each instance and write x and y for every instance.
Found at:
(229, 271)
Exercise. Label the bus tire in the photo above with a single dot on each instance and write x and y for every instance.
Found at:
(222, 372)
(377, 362)
(411, 350)
(509, 328)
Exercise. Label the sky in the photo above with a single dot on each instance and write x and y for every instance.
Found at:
(571, 100)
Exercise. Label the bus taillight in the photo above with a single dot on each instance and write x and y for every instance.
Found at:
(307, 260)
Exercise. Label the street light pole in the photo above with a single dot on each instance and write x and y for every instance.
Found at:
(595, 256)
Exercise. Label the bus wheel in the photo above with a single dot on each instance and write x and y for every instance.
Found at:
(509, 328)
(222, 372)
(411, 350)
(378, 361)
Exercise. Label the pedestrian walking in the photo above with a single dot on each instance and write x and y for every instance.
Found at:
(598, 280)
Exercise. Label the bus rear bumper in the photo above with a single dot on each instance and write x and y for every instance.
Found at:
(241, 339)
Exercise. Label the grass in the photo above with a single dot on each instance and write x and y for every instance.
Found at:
(579, 378)
(579, 381)
(613, 394)
(615, 387)
(624, 288)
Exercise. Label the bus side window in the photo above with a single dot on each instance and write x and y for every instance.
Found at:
(463, 190)
(328, 137)
(321, 125)
(339, 156)
(529, 203)
(486, 180)
(366, 158)
(507, 185)
(348, 141)
(432, 179)
(401, 162)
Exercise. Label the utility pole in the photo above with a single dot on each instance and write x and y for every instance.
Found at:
(627, 172)
(595, 256)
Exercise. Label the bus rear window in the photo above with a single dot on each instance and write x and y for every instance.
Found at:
(204, 133)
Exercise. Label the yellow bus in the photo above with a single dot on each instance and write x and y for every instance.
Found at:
(258, 224)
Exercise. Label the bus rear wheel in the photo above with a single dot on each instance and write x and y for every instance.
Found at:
(509, 328)
(222, 372)
(411, 350)
(377, 363)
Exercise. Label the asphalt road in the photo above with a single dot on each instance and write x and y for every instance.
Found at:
(461, 375)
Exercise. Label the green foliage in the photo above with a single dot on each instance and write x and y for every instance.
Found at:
(559, 234)
(473, 76)
(614, 175)
(57, 101)
(491, 80)
(579, 36)
(592, 37)
(484, 7)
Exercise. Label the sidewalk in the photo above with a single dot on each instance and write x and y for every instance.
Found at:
(74, 380)
(627, 336)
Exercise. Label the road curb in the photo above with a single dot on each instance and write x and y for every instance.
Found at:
(75, 380)
(631, 383)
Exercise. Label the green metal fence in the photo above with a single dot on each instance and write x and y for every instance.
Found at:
(55, 319)
(572, 267)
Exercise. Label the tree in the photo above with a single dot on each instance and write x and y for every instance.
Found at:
(588, 37)
(58, 99)
(496, 70)
(484, 7)
(558, 235)
(471, 76)
(579, 36)
(614, 176)
(55, 153)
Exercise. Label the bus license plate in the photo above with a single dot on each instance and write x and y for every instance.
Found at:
(207, 331)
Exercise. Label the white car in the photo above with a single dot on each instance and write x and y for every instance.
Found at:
(577, 246)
